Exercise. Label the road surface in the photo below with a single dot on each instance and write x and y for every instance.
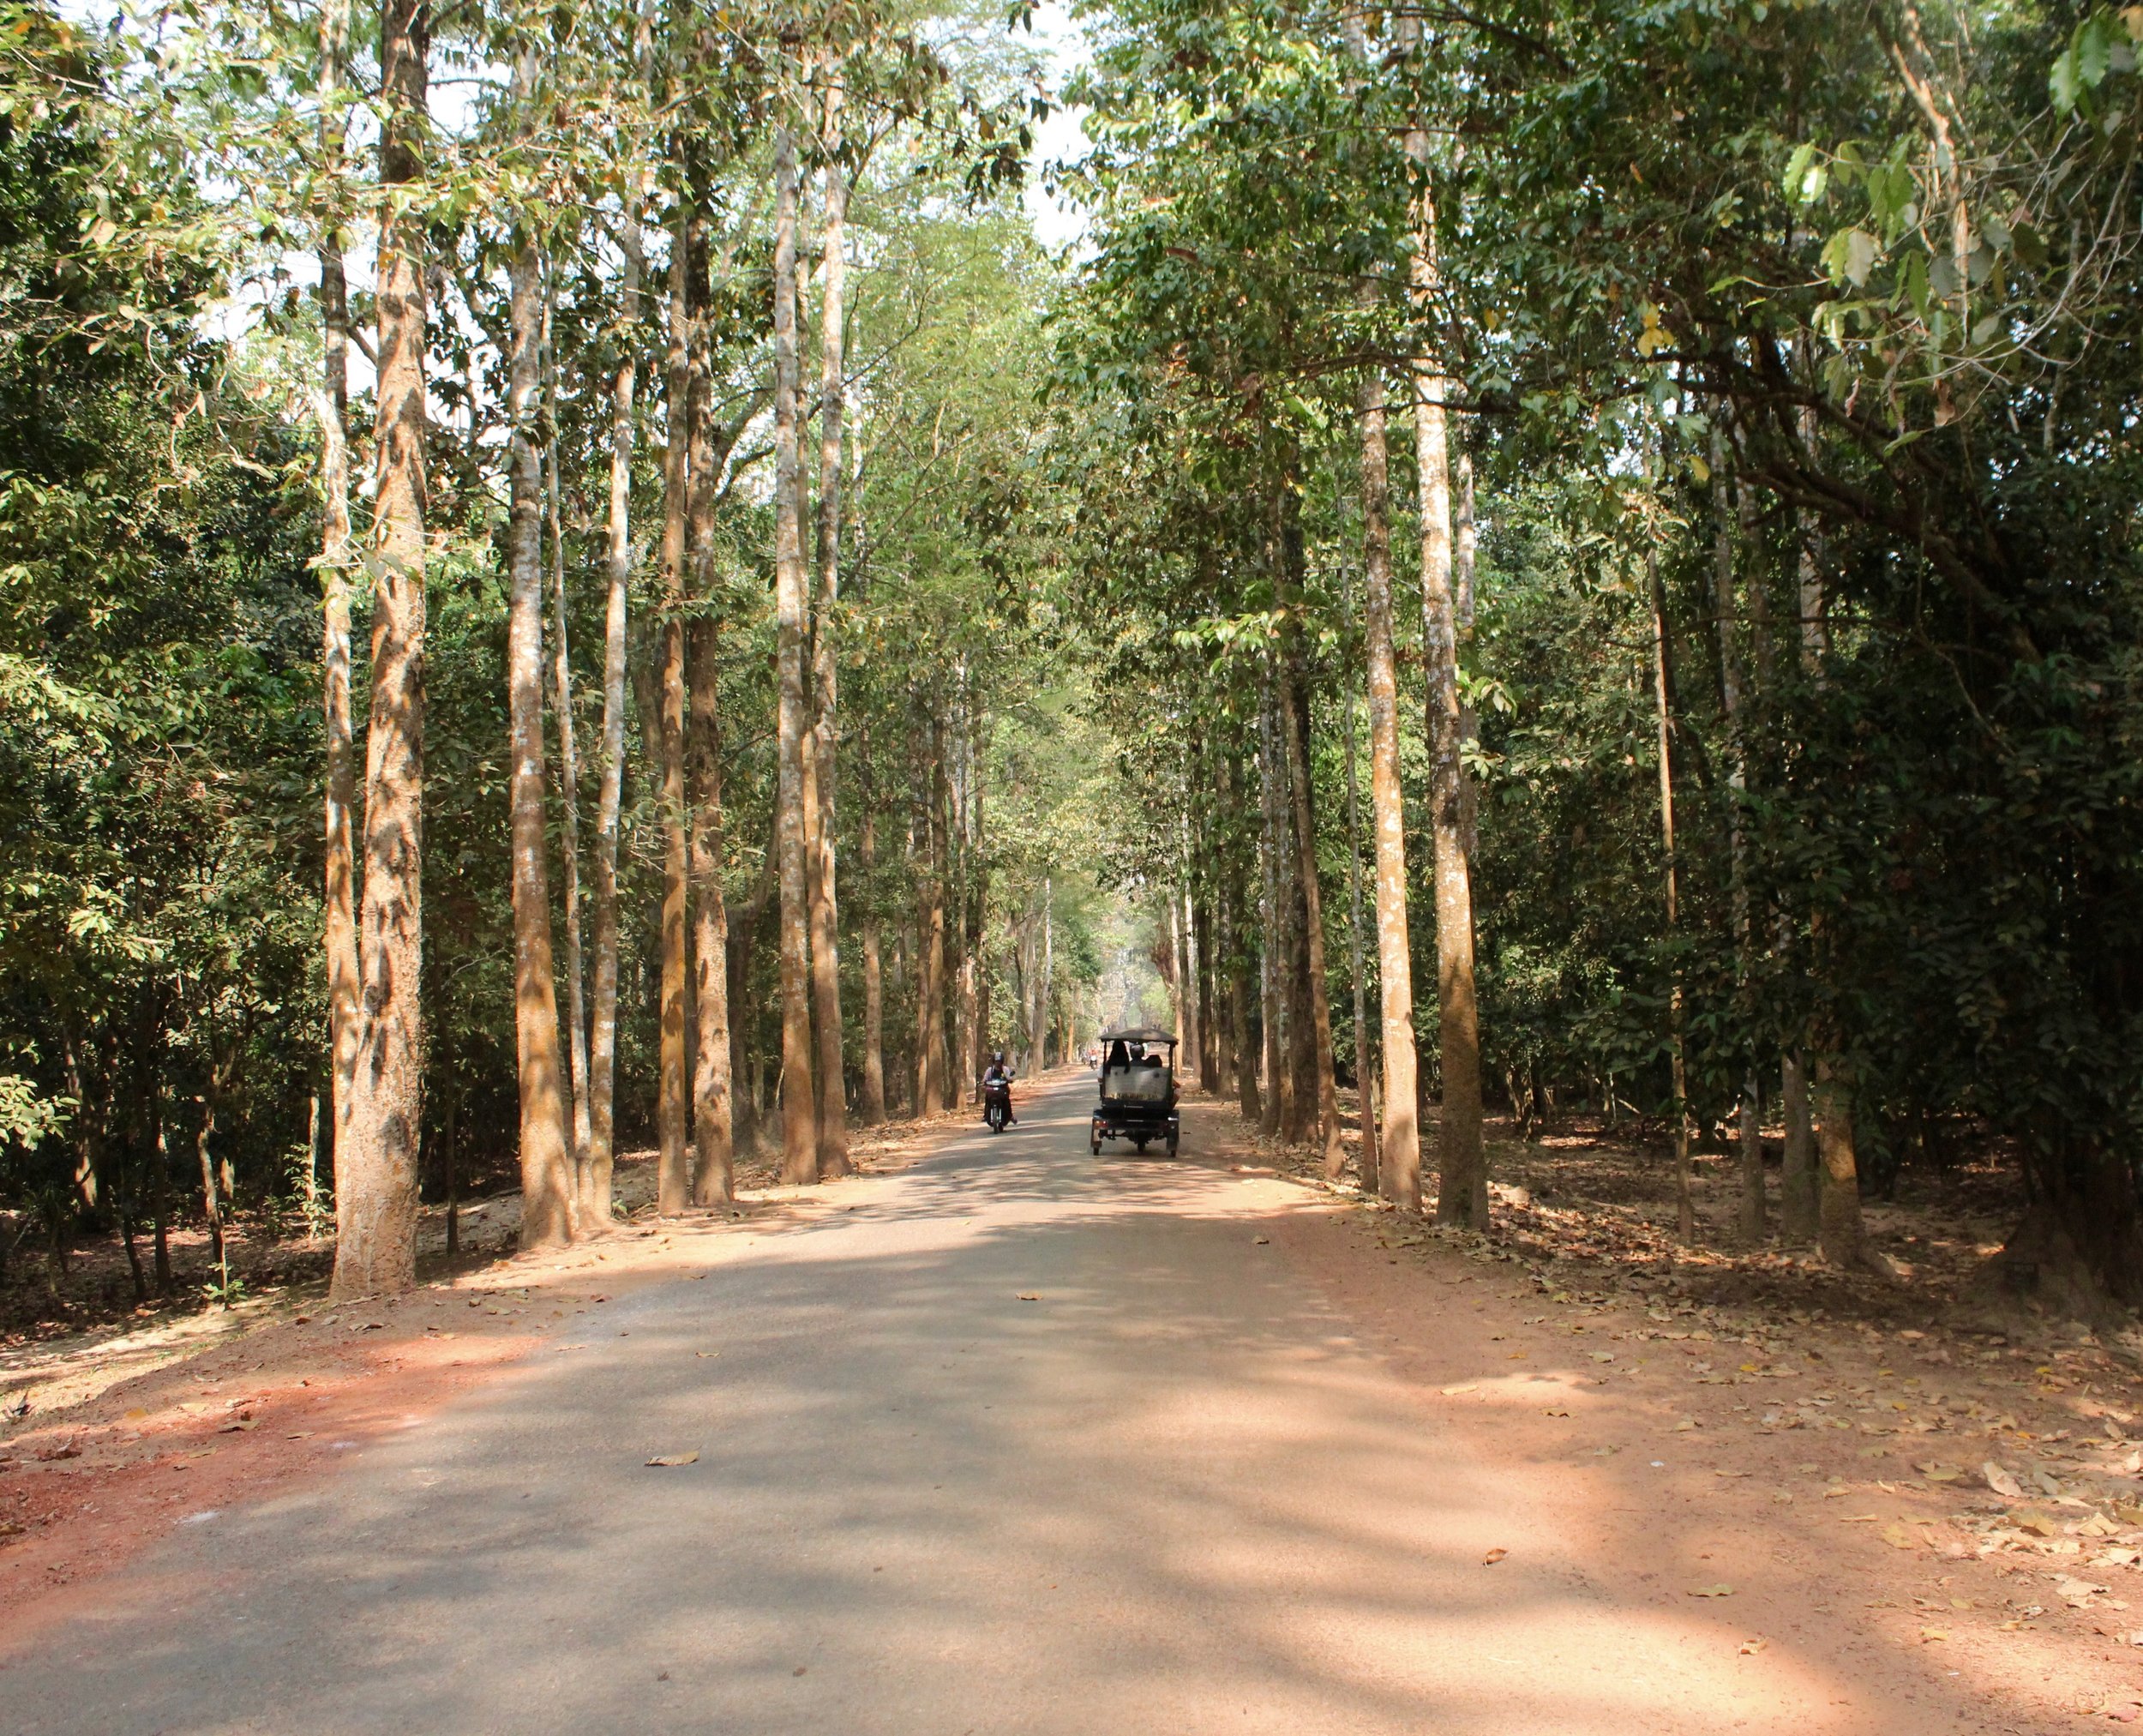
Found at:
(1170, 1493)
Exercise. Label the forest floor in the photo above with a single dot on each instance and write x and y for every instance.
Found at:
(1815, 1455)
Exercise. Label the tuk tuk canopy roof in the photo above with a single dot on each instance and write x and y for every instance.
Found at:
(1139, 1033)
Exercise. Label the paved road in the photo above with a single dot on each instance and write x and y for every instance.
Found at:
(1172, 1494)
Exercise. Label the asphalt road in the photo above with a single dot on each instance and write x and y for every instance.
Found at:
(1171, 1493)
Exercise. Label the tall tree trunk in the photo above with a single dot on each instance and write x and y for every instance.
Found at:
(673, 1177)
(931, 1095)
(1800, 1184)
(826, 943)
(546, 1162)
(595, 1200)
(1684, 1200)
(873, 981)
(376, 1176)
(714, 1178)
(1371, 1167)
(340, 910)
(1328, 1119)
(799, 1099)
(570, 797)
(978, 912)
(1750, 1214)
(1844, 1242)
(1240, 990)
(1275, 945)
(1462, 1194)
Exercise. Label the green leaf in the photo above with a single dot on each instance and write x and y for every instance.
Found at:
(2061, 83)
(1850, 255)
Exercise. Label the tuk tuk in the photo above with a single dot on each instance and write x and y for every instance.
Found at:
(1138, 1089)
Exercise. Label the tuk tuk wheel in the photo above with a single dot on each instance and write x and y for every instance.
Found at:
(1094, 1141)
(1141, 1144)
(1173, 1141)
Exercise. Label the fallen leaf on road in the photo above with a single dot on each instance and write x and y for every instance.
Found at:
(1555, 1413)
(1928, 1635)
(1939, 1472)
(2001, 1481)
(2037, 1523)
(1899, 1538)
(1264, 1241)
(1024, 1296)
(1749, 1648)
(706, 1353)
(2076, 1590)
(690, 1458)
(1684, 1425)
(1603, 1356)
(1492, 1556)
(1454, 1391)
(1711, 1591)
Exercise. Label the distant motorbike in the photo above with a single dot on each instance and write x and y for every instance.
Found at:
(997, 1104)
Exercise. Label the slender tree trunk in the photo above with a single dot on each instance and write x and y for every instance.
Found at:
(1462, 1194)
(799, 1141)
(1800, 1178)
(1370, 1167)
(978, 913)
(874, 982)
(1684, 1200)
(673, 1180)
(377, 1152)
(546, 1165)
(1275, 948)
(1844, 1242)
(211, 1199)
(595, 1201)
(714, 1178)
(1749, 1215)
(1240, 990)
(1328, 1118)
(1800, 1183)
(569, 799)
(825, 944)
(340, 903)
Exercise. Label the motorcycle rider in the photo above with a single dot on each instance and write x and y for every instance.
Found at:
(998, 1073)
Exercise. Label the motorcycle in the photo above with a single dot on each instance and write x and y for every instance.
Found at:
(997, 1104)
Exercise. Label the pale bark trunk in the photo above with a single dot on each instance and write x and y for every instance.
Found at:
(595, 1201)
(1684, 1200)
(1328, 1119)
(800, 1140)
(375, 1178)
(1370, 1166)
(714, 1178)
(825, 944)
(1462, 1195)
(569, 798)
(546, 1164)
(673, 1176)
(874, 983)
(340, 912)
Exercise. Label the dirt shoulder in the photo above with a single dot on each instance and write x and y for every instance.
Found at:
(131, 1434)
(1827, 1480)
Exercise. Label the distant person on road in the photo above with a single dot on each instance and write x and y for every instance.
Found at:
(999, 1073)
